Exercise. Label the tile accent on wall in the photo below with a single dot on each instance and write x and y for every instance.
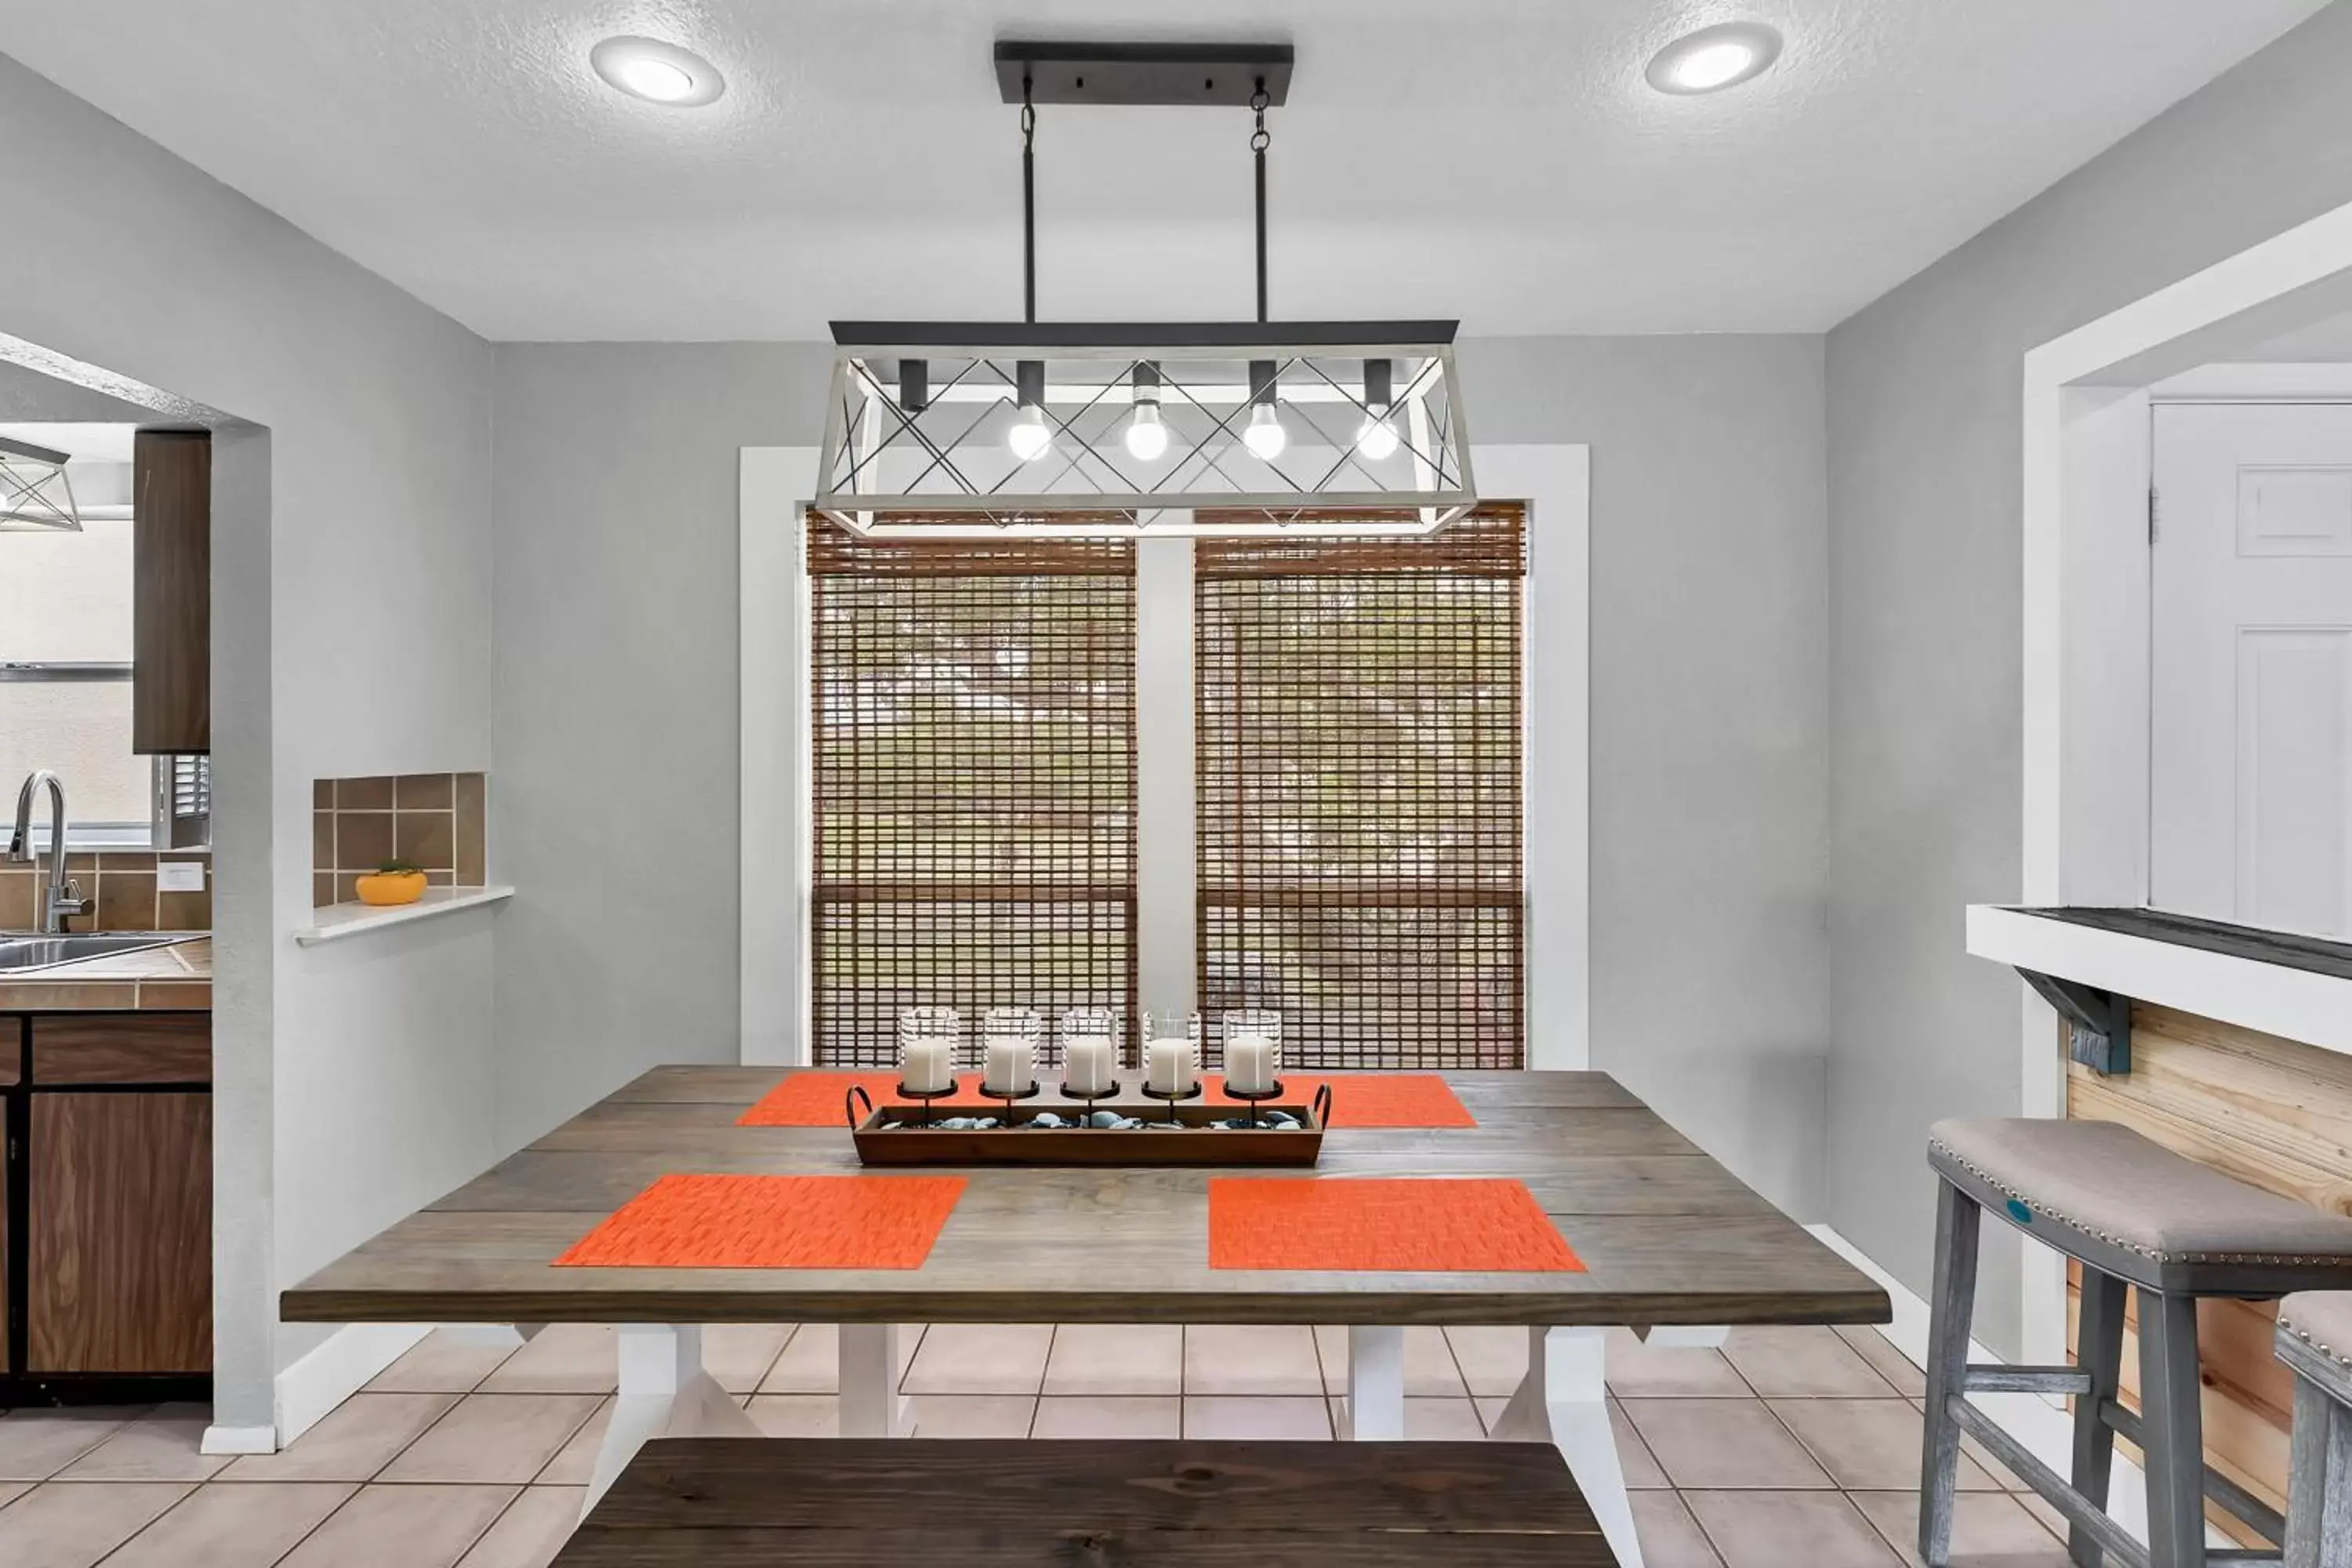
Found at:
(433, 821)
(118, 886)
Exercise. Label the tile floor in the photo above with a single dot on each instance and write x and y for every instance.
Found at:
(1790, 1448)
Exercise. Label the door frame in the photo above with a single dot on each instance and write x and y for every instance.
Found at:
(773, 889)
(2085, 698)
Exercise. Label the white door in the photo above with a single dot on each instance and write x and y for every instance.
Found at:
(2250, 770)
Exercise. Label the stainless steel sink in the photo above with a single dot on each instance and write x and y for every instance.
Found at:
(22, 952)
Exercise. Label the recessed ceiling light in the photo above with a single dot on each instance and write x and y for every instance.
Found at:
(1715, 57)
(658, 72)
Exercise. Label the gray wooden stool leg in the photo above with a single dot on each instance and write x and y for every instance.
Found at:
(2100, 1354)
(1950, 1310)
(2173, 1426)
(2320, 1482)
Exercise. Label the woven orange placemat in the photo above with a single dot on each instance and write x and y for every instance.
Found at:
(1404, 1225)
(1373, 1098)
(814, 1098)
(773, 1221)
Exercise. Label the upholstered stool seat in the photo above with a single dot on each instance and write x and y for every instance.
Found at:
(2099, 1191)
(2135, 1216)
(2315, 1340)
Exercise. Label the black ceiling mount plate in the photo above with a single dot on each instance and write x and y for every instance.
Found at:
(1218, 76)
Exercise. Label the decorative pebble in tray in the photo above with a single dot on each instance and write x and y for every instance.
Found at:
(1100, 1120)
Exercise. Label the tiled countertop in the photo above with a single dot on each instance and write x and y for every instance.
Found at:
(178, 977)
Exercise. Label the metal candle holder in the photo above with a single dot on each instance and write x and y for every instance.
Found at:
(1253, 1098)
(1009, 1096)
(924, 1096)
(1110, 1092)
(1173, 1096)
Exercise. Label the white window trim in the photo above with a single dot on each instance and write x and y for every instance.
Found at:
(1555, 482)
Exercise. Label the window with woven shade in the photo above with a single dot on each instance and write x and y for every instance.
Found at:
(974, 772)
(1358, 752)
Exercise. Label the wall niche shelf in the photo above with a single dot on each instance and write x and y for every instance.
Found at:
(336, 922)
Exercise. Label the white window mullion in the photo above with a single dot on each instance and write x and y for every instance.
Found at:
(1167, 871)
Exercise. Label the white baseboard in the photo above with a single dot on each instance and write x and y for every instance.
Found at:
(339, 1367)
(2044, 1427)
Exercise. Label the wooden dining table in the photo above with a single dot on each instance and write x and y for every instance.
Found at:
(1669, 1241)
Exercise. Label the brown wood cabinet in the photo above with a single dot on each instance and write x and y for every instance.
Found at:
(106, 1205)
(171, 589)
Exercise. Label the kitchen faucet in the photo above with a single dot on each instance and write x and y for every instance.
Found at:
(64, 894)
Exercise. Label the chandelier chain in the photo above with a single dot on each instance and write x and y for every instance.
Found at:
(1259, 142)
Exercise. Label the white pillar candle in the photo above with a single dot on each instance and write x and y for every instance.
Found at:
(1089, 1068)
(930, 1067)
(1249, 1063)
(1011, 1067)
(1173, 1066)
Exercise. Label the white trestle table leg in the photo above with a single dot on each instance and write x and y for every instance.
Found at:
(665, 1392)
(1564, 1401)
(1376, 1383)
(870, 1402)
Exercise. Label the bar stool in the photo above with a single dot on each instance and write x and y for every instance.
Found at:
(2132, 1213)
(2315, 1340)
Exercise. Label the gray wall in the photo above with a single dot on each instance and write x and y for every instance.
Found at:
(1925, 411)
(352, 621)
(616, 712)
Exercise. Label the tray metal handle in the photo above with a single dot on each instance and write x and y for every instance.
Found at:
(849, 1104)
(1322, 1104)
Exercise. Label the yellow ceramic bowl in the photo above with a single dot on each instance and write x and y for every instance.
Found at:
(392, 887)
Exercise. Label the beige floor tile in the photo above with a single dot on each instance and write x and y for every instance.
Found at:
(1803, 1362)
(11, 1490)
(739, 1354)
(356, 1439)
(811, 1360)
(37, 1444)
(1490, 1412)
(575, 1463)
(981, 1358)
(403, 1527)
(532, 1529)
(504, 1439)
(1425, 1420)
(2049, 1517)
(1124, 1358)
(1891, 1363)
(1788, 1529)
(1493, 1361)
(1867, 1444)
(1109, 1416)
(1722, 1443)
(796, 1415)
(1239, 1417)
(1990, 1530)
(1641, 1371)
(562, 1358)
(1429, 1369)
(234, 1527)
(970, 1414)
(72, 1524)
(1670, 1538)
(1642, 1472)
(1251, 1359)
(441, 1364)
(164, 1445)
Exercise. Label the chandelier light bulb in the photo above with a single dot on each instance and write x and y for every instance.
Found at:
(1029, 438)
(1378, 440)
(1265, 437)
(1147, 438)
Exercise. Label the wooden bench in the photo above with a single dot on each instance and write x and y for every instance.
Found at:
(737, 1502)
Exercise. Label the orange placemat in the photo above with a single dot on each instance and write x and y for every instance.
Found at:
(1407, 1225)
(773, 1221)
(816, 1098)
(1373, 1098)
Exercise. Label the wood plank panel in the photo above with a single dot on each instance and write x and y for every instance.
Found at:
(12, 1049)
(122, 1048)
(2272, 1112)
(171, 592)
(119, 1267)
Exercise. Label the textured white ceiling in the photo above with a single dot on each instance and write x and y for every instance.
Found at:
(1496, 160)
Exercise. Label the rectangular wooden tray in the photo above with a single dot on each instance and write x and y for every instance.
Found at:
(1193, 1142)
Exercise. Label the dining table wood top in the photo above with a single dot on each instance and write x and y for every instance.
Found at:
(1667, 1235)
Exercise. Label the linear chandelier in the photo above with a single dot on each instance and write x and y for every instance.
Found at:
(959, 430)
(35, 495)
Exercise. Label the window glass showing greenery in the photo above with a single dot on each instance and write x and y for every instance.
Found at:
(974, 781)
(1359, 757)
